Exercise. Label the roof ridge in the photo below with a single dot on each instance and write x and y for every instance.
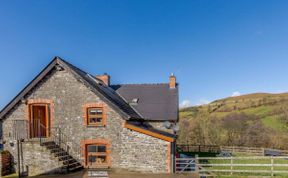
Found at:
(141, 84)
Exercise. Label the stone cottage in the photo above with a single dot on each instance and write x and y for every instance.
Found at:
(66, 119)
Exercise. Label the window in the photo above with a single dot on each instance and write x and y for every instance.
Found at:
(95, 116)
(97, 155)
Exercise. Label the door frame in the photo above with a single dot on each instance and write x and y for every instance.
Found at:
(47, 116)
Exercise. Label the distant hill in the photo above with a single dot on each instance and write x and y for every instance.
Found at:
(259, 119)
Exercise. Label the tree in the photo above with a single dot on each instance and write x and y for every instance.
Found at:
(235, 126)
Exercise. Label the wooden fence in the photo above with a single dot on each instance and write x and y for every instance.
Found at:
(256, 151)
(251, 150)
(198, 148)
(254, 165)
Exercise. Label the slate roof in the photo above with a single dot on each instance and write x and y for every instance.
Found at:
(157, 102)
(109, 94)
(152, 129)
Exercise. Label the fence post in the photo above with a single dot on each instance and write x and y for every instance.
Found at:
(231, 166)
(263, 151)
(196, 164)
(272, 166)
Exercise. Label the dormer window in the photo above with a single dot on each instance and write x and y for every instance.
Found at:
(134, 101)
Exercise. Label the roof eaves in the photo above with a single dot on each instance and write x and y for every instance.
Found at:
(151, 132)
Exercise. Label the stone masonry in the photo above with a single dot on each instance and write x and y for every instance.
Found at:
(129, 149)
(39, 160)
(0, 164)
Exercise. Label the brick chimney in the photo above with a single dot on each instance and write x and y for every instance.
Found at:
(172, 81)
(105, 78)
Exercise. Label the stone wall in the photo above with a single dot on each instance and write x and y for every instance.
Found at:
(129, 149)
(144, 153)
(1, 164)
(1, 132)
(39, 160)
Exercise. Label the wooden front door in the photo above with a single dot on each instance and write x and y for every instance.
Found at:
(39, 121)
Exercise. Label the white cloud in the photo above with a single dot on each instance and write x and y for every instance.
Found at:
(202, 102)
(236, 93)
(185, 104)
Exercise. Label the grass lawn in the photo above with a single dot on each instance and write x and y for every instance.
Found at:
(11, 176)
(248, 167)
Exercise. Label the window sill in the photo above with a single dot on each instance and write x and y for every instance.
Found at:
(95, 126)
(103, 166)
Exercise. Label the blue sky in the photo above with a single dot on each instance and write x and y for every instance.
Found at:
(215, 48)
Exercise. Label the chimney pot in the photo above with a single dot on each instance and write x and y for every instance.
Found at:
(105, 78)
(172, 81)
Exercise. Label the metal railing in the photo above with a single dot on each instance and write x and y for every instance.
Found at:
(185, 165)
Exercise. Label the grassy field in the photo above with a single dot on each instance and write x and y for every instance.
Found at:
(248, 167)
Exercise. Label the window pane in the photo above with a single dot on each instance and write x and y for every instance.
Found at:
(101, 159)
(102, 148)
(92, 148)
(92, 159)
(95, 111)
(95, 120)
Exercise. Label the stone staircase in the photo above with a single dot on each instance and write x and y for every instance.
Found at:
(69, 163)
(48, 151)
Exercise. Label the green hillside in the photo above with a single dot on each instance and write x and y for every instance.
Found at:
(259, 119)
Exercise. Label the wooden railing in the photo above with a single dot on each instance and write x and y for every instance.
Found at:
(245, 166)
(256, 151)
(197, 148)
(252, 150)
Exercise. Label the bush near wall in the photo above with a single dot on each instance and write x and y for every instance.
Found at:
(6, 163)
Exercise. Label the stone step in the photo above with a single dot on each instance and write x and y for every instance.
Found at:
(60, 153)
(98, 174)
(73, 168)
(76, 168)
(53, 150)
(52, 147)
(63, 157)
(70, 162)
(67, 160)
(75, 164)
(48, 143)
